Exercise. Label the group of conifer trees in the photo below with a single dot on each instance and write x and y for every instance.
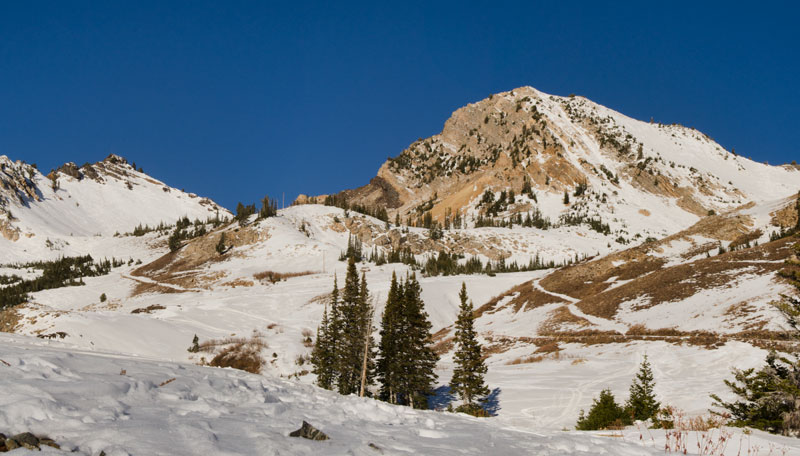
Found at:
(344, 354)
(346, 360)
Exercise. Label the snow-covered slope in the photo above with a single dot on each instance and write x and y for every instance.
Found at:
(59, 214)
(93, 402)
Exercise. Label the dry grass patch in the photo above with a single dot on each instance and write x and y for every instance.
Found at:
(238, 283)
(242, 353)
(143, 288)
(273, 277)
(526, 360)
(682, 281)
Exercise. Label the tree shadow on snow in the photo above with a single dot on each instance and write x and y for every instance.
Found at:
(441, 398)
(492, 404)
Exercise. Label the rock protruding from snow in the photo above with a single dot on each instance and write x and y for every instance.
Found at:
(309, 432)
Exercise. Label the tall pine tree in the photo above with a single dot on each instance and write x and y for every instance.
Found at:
(349, 349)
(323, 357)
(389, 364)
(367, 351)
(417, 358)
(468, 374)
(642, 403)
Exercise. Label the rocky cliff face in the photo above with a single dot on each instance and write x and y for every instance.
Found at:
(542, 147)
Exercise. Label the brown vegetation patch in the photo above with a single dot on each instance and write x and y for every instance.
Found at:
(526, 295)
(238, 283)
(745, 239)
(561, 316)
(242, 353)
(701, 249)
(147, 287)
(273, 277)
(55, 335)
(526, 360)
(682, 281)
(445, 345)
(183, 267)
(787, 216)
(10, 319)
(148, 309)
(587, 279)
(239, 356)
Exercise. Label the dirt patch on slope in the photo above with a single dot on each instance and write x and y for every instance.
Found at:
(682, 281)
(185, 266)
(524, 295)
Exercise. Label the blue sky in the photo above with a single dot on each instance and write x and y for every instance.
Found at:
(235, 100)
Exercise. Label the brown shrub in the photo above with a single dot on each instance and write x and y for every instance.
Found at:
(273, 277)
(548, 348)
(243, 356)
(526, 360)
(148, 309)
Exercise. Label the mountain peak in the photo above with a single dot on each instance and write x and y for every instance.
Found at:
(566, 158)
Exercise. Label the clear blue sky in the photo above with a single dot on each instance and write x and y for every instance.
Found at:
(235, 100)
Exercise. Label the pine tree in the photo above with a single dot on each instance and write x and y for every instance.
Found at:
(605, 413)
(195, 345)
(349, 350)
(566, 197)
(468, 374)
(418, 360)
(221, 244)
(367, 351)
(323, 356)
(174, 241)
(642, 403)
(388, 367)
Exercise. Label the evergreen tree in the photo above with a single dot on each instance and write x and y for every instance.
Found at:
(566, 197)
(642, 403)
(364, 313)
(469, 371)
(418, 360)
(388, 368)
(349, 350)
(323, 356)
(221, 244)
(174, 241)
(605, 413)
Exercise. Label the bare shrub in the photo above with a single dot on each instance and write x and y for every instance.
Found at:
(526, 360)
(274, 277)
(242, 353)
(148, 309)
(246, 357)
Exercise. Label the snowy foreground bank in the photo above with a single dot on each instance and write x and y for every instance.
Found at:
(93, 402)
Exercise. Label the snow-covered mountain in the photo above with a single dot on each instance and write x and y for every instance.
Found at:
(643, 179)
(666, 247)
(48, 216)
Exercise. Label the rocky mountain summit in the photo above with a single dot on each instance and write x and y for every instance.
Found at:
(566, 159)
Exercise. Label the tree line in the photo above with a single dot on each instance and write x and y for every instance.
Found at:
(63, 272)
